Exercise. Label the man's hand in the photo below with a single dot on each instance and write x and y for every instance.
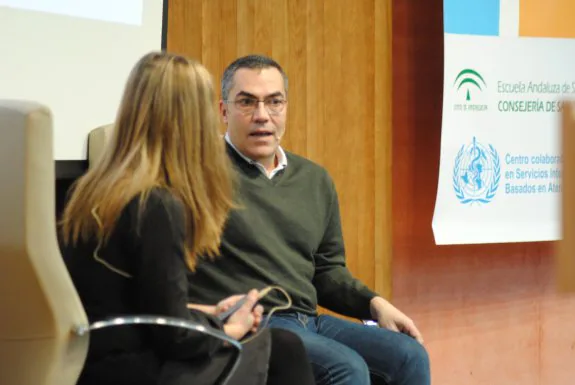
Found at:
(389, 317)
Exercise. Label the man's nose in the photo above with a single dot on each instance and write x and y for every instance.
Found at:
(261, 113)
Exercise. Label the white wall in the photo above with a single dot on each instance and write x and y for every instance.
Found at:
(74, 56)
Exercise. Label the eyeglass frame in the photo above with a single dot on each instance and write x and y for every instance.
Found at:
(247, 96)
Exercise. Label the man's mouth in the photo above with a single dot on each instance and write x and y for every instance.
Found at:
(262, 133)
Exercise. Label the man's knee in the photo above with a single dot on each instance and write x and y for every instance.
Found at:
(417, 355)
(416, 365)
(353, 366)
(408, 365)
(348, 370)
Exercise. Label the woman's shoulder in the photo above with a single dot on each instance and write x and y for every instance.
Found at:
(155, 204)
(163, 196)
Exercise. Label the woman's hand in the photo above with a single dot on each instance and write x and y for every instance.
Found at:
(247, 318)
(227, 303)
(208, 309)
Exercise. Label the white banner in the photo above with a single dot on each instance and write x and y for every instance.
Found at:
(508, 65)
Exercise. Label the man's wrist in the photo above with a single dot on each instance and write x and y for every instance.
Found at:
(376, 304)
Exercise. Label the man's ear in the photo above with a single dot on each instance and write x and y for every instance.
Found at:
(223, 112)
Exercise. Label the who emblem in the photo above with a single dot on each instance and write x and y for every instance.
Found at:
(476, 173)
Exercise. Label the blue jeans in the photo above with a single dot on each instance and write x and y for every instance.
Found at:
(346, 353)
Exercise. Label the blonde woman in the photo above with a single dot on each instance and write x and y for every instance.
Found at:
(136, 223)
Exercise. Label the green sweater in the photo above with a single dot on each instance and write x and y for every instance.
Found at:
(287, 233)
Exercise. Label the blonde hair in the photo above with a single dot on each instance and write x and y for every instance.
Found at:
(165, 135)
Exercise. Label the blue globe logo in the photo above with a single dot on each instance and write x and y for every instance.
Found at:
(476, 173)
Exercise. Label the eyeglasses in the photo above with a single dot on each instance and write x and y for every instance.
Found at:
(247, 105)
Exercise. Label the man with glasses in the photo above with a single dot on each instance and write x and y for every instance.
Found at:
(287, 232)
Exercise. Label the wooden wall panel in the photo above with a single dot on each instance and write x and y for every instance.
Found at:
(382, 137)
(337, 57)
(490, 314)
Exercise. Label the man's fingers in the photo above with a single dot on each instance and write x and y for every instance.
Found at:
(409, 328)
(415, 333)
(390, 326)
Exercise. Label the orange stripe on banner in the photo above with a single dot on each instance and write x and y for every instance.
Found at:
(547, 18)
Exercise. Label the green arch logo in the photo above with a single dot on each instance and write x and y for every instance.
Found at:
(470, 78)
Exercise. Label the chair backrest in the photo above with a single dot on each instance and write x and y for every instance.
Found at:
(39, 305)
(98, 138)
(565, 256)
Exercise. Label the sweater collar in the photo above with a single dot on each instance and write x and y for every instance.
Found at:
(280, 154)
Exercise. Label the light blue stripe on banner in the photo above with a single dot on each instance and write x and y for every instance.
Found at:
(471, 17)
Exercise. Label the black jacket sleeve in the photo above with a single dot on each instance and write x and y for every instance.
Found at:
(161, 278)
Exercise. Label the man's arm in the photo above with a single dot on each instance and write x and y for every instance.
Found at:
(337, 289)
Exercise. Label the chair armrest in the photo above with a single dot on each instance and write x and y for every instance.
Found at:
(171, 322)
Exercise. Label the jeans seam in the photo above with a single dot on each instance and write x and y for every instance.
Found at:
(329, 375)
(304, 324)
(378, 374)
(296, 318)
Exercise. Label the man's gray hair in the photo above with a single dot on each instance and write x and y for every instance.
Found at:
(250, 62)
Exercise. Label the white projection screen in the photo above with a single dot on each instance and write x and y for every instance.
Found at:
(74, 56)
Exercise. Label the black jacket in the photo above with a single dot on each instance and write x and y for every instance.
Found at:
(140, 270)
